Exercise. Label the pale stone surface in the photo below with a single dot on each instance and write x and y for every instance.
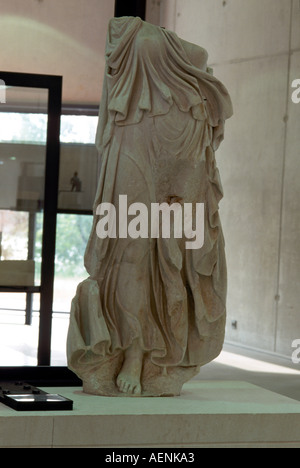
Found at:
(295, 36)
(19, 430)
(288, 328)
(246, 30)
(250, 209)
(207, 414)
(152, 311)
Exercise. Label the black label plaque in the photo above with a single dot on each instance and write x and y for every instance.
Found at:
(23, 397)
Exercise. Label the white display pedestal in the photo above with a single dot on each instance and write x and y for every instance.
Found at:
(207, 414)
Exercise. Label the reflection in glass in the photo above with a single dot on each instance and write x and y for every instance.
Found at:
(23, 135)
(78, 163)
(72, 235)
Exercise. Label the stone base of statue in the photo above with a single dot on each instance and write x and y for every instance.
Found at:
(208, 414)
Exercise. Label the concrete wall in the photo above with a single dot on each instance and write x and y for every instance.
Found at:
(254, 48)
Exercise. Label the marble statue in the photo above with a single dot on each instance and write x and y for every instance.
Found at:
(151, 311)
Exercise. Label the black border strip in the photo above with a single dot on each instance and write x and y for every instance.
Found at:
(130, 8)
(40, 376)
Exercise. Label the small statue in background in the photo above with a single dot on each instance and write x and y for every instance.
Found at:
(152, 312)
(75, 183)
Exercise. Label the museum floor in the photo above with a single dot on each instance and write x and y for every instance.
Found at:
(274, 373)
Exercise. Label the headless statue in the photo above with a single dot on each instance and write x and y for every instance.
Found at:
(152, 311)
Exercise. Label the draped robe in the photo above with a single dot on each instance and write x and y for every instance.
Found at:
(161, 119)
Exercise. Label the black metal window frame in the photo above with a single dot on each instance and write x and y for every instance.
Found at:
(54, 86)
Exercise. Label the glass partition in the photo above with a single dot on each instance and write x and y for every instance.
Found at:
(29, 162)
(23, 139)
(77, 188)
(78, 163)
(23, 155)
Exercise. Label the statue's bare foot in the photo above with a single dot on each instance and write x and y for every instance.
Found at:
(129, 379)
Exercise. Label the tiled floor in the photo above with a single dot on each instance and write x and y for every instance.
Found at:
(18, 345)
